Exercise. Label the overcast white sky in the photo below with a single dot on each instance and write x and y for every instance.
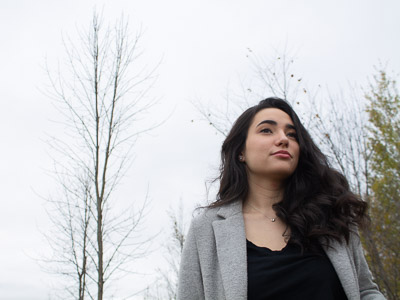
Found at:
(203, 46)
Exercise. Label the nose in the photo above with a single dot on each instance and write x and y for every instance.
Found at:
(282, 139)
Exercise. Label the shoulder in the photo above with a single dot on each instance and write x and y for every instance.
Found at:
(353, 246)
(203, 221)
(356, 248)
(204, 217)
(200, 234)
(354, 243)
(345, 254)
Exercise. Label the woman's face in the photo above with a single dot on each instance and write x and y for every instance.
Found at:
(271, 149)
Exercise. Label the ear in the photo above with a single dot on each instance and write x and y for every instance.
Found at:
(241, 157)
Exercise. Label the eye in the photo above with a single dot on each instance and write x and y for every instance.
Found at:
(266, 130)
(292, 135)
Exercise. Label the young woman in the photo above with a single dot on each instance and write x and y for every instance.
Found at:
(284, 224)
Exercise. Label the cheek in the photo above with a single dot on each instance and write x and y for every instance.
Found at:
(296, 163)
(297, 158)
(256, 149)
(296, 149)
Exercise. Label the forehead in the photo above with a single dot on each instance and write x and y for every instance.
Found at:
(274, 114)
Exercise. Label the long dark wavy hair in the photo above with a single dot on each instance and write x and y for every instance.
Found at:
(317, 204)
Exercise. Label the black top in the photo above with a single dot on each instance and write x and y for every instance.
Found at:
(288, 274)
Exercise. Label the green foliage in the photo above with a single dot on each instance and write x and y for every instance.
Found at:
(384, 141)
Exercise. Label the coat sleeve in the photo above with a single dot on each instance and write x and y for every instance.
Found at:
(190, 285)
(368, 289)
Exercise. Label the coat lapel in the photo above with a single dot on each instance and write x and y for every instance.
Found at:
(340, 260)
(231, 250)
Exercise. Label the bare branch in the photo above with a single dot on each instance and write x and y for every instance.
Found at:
(100, 92)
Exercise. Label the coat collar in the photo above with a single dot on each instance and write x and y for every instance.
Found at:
(231, 250)
(230, 209)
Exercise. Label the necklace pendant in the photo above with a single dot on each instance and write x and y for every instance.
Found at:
(273, 220)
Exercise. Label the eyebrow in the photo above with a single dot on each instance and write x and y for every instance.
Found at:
(272, 122)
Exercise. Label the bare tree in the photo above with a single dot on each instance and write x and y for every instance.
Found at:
(101, 92)
(338, 125)
(166, 285)
(274, 77)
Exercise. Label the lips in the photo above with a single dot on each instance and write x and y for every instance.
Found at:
(282, 153)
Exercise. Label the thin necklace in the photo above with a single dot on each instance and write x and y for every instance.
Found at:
(271, 219)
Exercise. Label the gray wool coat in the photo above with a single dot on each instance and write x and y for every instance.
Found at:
(214, 260)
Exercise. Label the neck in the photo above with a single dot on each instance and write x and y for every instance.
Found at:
(264, 195)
